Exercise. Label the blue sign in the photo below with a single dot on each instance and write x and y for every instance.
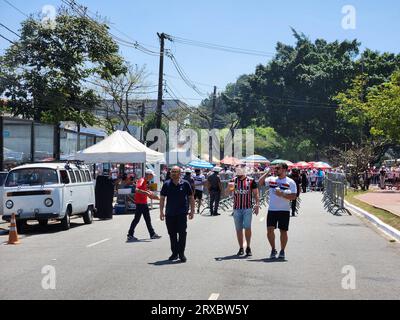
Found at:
(6, 134)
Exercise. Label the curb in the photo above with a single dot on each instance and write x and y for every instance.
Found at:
(389, 230)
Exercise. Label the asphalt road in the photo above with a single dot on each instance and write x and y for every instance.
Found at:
(95, 262)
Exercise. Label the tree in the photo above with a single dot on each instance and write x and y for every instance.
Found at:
(44, 72)
(125, 91)
(383, 109)
(376, 115)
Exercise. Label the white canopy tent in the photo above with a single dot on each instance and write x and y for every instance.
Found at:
(120, 147)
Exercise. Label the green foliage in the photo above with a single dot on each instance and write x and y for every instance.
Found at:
(383, 109)
(43, 74)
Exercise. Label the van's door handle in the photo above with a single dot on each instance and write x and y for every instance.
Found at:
(70, 191)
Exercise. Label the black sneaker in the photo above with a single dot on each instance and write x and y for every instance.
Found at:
(282, 255)
(182, 258)
(248, 252)
(131, 239)
(240, 252)
(173, 257)
(273, 254)
(155, 236)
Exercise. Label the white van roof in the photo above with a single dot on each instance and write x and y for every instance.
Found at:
(55, 166)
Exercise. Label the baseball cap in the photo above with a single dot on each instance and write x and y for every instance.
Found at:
(149, 171)
(240, 171)
(188, 171)
(217, 169)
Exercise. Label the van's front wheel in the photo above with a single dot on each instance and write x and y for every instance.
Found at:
(66, 221)
(88, 216)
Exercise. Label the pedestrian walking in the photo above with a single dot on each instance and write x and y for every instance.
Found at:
(382, 177)
(188, 177)
(295, 176)
(142, 208)
(199, 181)
(179, 196)
(245, 192)
(304, 181)
(282, 191)
(214, 188)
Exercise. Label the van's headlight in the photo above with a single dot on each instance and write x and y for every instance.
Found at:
(9, 204)
(48, 202)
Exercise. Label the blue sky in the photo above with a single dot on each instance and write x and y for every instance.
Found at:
(252, 24)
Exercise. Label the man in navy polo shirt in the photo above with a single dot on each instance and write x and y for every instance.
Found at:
(179, 195)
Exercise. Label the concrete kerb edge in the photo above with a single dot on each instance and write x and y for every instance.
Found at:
(389, 230)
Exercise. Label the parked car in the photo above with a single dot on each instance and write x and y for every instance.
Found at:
(49, 191)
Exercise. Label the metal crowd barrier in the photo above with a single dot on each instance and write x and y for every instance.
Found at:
(334, 192)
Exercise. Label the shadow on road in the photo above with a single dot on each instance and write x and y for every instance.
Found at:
(233, 257)
(30, 230)
(138, 241)
(268, 260)
(163, 263)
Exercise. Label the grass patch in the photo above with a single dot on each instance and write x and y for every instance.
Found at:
(386, 216)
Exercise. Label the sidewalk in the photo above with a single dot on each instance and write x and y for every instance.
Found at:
(383, 199)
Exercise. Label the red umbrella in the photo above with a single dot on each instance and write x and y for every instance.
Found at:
(231, 161)
(302, 165)
(322, 165)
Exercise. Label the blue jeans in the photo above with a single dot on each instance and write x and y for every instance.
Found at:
(242, 218)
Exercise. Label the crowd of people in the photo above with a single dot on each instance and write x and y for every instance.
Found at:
(182, 189)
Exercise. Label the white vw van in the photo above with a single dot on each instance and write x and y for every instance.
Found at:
(49, 191)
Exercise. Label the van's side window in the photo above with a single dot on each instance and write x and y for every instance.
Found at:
(72, 176)
(64, 177)
(88, 177)
(83, 176)
(78, 176)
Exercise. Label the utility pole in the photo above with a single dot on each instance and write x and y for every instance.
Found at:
(162, 37)
(142, 118)
(210, 140)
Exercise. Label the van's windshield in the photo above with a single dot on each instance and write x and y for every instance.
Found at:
(31, 177)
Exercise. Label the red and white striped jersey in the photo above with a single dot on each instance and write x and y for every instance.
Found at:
(243, 194)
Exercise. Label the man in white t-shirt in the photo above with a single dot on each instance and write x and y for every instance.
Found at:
(199, 181)
(282, 191)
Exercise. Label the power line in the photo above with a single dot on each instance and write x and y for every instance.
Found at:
(196, 82)
(7, 39)
(20, 11)
(214, 46)
(183, 75)
(10, 30)
(135, 44)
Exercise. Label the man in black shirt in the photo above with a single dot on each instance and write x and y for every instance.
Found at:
(214, 188)
(179, 195)
(295, 176)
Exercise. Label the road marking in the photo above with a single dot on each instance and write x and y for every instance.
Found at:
(96, 243)
(214, 296)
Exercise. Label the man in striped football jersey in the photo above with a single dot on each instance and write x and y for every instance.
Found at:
(245, 192)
